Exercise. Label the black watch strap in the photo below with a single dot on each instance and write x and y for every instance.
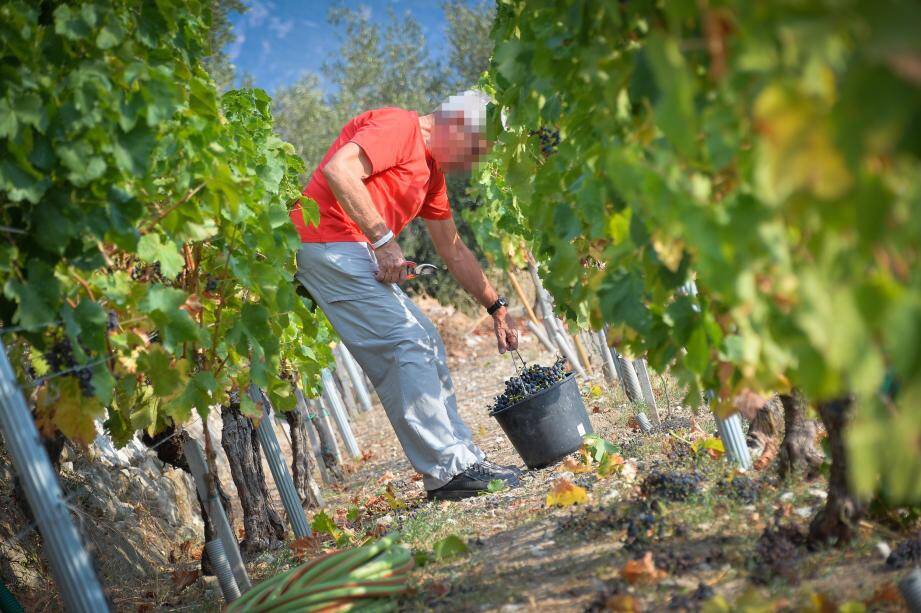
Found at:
(498, 304)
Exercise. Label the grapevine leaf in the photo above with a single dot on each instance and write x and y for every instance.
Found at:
(165, 375)
(37, 295)
(152, 249)
(310, 211)
(564, 493)
(175, 325)
(73, 413)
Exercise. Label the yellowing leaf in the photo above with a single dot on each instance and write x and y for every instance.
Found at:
(71, 411)
(610, 464)
(391, 498)
(564, 493)
(712, 445)
(670, 252)
(596, 391)
(642, 571)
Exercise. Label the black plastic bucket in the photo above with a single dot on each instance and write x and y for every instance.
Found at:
(547, 426)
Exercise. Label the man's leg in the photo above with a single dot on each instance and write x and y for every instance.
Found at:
(379, 325)
(460, 428)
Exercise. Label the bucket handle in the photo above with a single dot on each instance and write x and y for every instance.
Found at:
(524, 365)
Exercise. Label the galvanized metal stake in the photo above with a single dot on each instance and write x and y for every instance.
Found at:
(610, 369)
(628, 378)
(325, 429)
(70, 562)
(334, 402)
(642, 375)
(311, 433)
(283, 481)
(733, 438)
(355, 374)
(199, 469)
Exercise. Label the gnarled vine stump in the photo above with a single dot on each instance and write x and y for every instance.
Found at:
(301, 464)
(263, 526)
(798, 451)
(837, 521)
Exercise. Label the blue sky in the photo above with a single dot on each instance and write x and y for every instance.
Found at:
(279, 40)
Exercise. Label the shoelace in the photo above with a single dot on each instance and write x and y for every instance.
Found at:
(480, 469)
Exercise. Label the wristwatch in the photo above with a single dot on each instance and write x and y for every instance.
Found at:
(498, 304)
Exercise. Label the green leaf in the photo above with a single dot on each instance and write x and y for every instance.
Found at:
(165, 375)
(310, 211)
(449, 547)
(37, 296)
(598, 447)
(496, 485)
(132, 149)
(324, 524)
(110, 34)
(175, 325)
(92, 320)
(70, 24)
(152, 249)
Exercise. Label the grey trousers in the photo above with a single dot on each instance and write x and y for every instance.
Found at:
(400, 350)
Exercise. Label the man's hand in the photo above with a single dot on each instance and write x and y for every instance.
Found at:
(390, 262)
(506, 334)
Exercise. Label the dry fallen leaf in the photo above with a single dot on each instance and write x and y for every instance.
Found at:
(621, 603)
(642, 571)
(564, 493)
(387, 477)
(439, 589)
(886, 593)
(574, 466)
(366, 455)
(307, 546)
(184, 578)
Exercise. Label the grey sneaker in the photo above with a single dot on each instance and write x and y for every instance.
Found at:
(498, 468)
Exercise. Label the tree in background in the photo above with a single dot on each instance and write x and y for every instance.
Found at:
(386, 64)
(220, 35)
(468, 37)
(306, 119)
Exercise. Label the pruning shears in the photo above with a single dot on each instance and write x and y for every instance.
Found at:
(419, 270)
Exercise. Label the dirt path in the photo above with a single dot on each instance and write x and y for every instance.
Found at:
(525, 556)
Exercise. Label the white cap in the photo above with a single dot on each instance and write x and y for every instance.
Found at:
(471, 104)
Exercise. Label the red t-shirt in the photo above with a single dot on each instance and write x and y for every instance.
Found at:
(405, 180)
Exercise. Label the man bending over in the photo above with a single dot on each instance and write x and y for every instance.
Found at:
(386, 168)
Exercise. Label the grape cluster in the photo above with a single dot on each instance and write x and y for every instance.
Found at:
(149, 273)
(60, 358)
(211, 284)
(642, 522)
(670, 485)
(692, 601)
(531, 380)
(777, 554)
(740, 488)
(112, 321)
(906, 553)
(549, 140)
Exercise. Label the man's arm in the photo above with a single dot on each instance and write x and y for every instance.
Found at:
(464, 267)
(344, 173)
